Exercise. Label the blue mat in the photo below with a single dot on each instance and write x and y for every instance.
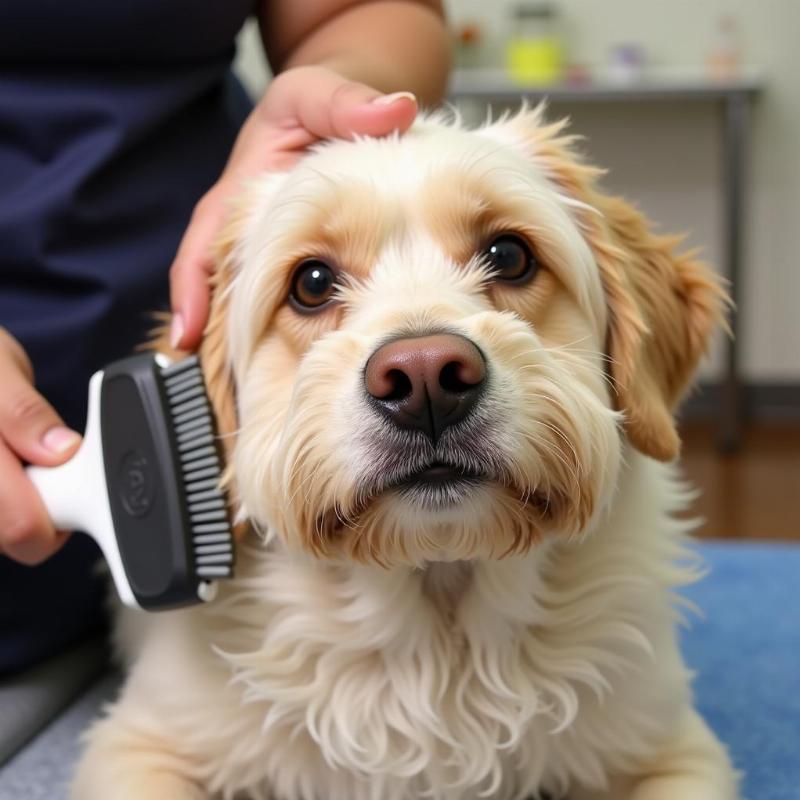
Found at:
(746, 652)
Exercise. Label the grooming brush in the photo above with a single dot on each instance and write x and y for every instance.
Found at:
(145, 483)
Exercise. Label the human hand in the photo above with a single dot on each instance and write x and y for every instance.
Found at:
(31, 431)
(301, 106)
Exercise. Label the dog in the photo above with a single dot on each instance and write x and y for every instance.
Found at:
(444, 366)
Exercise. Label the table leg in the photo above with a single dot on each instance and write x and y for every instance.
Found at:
(735, 138)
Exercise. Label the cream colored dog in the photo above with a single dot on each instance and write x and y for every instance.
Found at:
(447, 366)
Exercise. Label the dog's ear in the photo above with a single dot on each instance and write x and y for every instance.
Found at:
(213, 350)
(662, 305)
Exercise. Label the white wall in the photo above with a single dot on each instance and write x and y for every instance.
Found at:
(667, 157)
(250, 63)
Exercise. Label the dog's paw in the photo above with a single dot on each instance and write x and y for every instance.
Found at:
(686, 787)
(120, 764)
(131, 784)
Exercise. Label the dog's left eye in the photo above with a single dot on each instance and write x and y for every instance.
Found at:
(510, 258)
(312, 284)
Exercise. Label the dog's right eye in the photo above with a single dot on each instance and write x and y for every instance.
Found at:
(511, 259)
(313, 284)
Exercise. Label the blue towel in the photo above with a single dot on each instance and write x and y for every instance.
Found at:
(746, 652)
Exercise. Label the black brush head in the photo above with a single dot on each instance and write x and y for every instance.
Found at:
(163, 468)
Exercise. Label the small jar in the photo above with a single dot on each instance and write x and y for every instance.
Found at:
(535, 51)
(724, 56)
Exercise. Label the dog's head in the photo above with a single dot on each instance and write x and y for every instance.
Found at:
(439, 343)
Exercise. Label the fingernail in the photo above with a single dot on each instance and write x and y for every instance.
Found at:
(388, 99)
(176, 331)
(59, 439)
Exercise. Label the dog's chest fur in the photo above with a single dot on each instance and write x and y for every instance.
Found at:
(445, 584)
(512, 676)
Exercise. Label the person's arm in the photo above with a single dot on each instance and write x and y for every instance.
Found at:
(390, 45)
(344, 68)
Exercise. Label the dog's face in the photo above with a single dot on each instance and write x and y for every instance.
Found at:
(439, 344)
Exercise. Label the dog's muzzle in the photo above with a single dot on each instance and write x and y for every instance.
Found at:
(433, 444)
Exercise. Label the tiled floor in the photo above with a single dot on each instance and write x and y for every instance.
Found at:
(754, 494)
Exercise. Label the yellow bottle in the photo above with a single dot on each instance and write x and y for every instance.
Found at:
(535, 52)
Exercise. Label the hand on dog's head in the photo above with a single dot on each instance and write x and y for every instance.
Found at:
(439, 344)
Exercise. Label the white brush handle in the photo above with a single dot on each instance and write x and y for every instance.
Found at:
(76, 494)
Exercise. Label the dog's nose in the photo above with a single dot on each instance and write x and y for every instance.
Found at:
(426, 383)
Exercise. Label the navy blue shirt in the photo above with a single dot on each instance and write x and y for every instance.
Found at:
(115, 118)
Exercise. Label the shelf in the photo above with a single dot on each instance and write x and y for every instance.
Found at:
(494, 84)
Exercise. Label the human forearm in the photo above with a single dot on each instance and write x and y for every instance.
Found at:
(392, 45)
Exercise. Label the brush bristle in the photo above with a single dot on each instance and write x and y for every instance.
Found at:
(193, 423)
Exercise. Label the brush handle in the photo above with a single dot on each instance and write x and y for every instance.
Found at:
(76, 493)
